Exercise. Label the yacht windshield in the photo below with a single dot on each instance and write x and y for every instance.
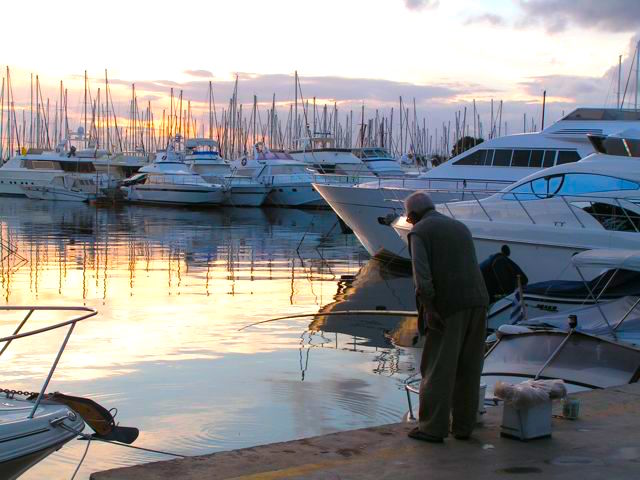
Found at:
(569, 184)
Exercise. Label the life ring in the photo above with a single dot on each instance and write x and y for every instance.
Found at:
(244, 162)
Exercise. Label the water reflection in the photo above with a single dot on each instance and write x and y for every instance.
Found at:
(173, 288)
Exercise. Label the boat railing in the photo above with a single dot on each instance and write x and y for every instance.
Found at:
(612, 212)
(411, 182)
(82, 313)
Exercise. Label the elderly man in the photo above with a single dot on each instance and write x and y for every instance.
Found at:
(453, 301)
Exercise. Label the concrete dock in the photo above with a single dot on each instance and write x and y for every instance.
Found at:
(603, 443)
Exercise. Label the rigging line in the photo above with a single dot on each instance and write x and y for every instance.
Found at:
(84, 436)
(84, 455)
(390, 313)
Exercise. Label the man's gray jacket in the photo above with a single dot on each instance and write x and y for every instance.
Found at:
(446, 271)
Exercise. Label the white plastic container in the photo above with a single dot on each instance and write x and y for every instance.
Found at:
(526, 423)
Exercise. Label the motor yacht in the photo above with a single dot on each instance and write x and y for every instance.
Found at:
(321, 154)
(36, 172)
(168, 180)
(549, 216)
(379, 162)
(476, 173)
(203, 156)
(289, 181)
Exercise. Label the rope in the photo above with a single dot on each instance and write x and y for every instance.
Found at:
(84, 436)
(86, 450)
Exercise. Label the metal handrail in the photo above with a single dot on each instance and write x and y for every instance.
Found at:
(90, 312)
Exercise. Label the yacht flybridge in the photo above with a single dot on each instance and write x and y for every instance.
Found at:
(321, 154)
(549, 216)
(474, 174)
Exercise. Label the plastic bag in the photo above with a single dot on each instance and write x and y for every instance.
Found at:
(530, 393)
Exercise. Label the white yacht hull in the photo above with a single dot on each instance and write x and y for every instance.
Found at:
(364, 210)
(12, 182)
(55, 193)
(294, 195)
(249, 196)
(543, 253)
(175, 194)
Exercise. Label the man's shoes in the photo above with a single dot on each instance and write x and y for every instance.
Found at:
(462, 437)
(416, 434)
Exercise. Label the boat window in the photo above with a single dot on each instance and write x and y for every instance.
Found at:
(539, 188)
(521, 158)
(633, 147)
(567, 156)
(244, 172)
(521, 354)
(581, 183)
(502, 158)
(78, 167)
(611, 217)
(288, 170)
(549, 158)
(592, 361)
(42, 165)
(474, 158)
(489, 159)
(536, 158)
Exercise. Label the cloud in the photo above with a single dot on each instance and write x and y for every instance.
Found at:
(589, 90)
(199, 73)
(558, 15)
(339, 89)
(490, 18)
(421, 4)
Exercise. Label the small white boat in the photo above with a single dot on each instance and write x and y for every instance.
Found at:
(168, 180)
(32, 427)
(62, 188)
(35, 424)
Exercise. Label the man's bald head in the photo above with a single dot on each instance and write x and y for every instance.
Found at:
(416, 205)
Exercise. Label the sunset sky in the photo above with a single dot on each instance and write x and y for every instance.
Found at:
(444, 53)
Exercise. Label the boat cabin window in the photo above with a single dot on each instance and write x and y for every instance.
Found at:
(568, 184)
(41, 165)
(502, 158)
(611, 217)
(567, 156)
(521, 158)
(549, 158)
(288, 170)
(78, 167)
(535, 158)
(244, 172)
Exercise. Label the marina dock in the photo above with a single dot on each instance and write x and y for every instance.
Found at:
(602, 443)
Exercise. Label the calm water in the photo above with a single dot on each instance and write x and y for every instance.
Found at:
(173, 287)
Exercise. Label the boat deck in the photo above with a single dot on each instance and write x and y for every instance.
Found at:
(603, 443)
